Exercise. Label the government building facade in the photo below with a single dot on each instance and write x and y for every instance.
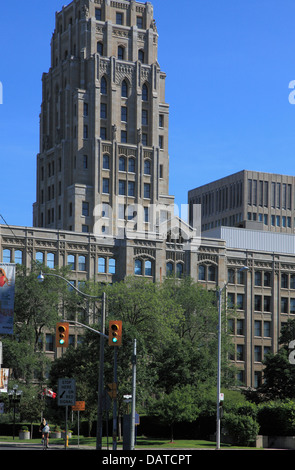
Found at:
(102, 199)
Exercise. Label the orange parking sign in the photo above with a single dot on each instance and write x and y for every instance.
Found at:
(79, 406)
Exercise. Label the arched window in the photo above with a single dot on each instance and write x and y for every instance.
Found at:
(131, 165)
(124, 89)
(122, 164)
(103, 86)
(40, 257)
(50, 260)
(169, 268)
(147, 167)
(101, 265)
(121, 52)
(148, 268)
(106, 162)
(179, 269)
(145, 93)
(18, 257)
(141, 55)
(6, 256)
(138, 267)
(202, 273)
(82, 263)
(112, 266)
(211, 273)
(71, 262)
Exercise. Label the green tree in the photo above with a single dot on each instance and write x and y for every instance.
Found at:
(279, 372)
(180, 405)
(36, 310)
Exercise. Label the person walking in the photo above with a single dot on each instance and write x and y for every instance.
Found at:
(44, 428)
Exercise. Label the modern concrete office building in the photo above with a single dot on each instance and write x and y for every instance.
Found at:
(252, 199)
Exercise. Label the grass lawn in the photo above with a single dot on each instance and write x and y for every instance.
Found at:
(141, 443)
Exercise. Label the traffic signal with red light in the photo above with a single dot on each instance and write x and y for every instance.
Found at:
(62, 335)
(115, 333)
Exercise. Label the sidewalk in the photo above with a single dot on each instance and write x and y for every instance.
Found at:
(35, 446)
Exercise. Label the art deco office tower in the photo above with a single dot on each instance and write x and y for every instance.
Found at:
(104, 120)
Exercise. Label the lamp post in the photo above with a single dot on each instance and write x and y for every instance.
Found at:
(14, 398)
(101, 355)
(220, 290)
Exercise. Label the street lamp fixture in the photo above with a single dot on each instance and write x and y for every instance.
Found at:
(220, 290)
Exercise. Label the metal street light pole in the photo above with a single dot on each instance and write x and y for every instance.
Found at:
(101, 356)
(14, 398)
(220, 290)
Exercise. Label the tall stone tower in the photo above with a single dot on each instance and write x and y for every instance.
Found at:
(104, 119)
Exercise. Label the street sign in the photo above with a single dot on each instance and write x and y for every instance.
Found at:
(66, 392)
(79, 406)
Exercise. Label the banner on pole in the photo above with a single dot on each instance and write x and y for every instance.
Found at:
(4, 375)
(7, 288)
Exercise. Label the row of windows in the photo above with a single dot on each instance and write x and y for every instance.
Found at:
(259, 352)
(126, 189)
(275, 220)
(262, 303)
(221, 199)
(125, 89)
(74, 262)
(280, 194)
(261, 278)
(125, 164)
(121, 52)
(50, 342)
(207, 273)
(120, 18)
(261, 328)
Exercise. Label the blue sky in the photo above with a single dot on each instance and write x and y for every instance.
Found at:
(228, 63)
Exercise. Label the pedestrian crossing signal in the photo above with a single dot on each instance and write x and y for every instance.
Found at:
(115, 333)
(62, 335)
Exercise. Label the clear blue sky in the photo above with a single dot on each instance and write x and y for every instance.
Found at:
(228, 65)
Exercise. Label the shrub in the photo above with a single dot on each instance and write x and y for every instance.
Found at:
(277, 418)
(242, 429)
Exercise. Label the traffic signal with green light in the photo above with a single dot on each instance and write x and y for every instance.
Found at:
(115, 333)
(62, 335)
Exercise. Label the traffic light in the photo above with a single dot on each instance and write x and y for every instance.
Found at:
(115, 333)
(62, 335)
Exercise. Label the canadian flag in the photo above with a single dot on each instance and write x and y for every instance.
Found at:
(49, 393)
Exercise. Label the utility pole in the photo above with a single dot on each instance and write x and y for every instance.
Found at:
(132, 440)
(100, 377)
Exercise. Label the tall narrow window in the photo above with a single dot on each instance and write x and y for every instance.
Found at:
(82, 263)
(101, 265)
(141, 56)
(100, 48)
(103, 86)
(112, 266)
(124, 89)
(50, 260)
(119, 18)
(138, 267)
(71, 262)
(121, 52)
(145, 93)
(106, 162)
